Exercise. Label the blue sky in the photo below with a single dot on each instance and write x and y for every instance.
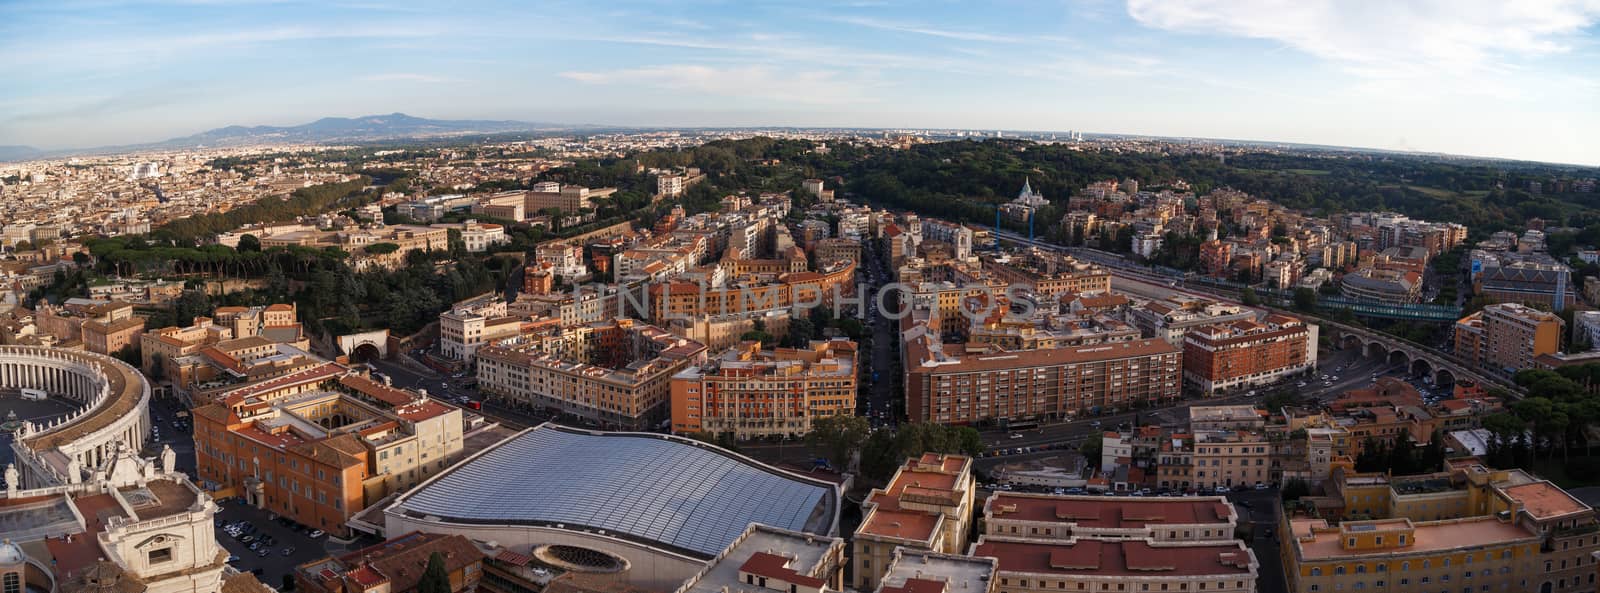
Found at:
(1481, 77)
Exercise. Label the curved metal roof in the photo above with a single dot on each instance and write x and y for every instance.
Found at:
(667, 491)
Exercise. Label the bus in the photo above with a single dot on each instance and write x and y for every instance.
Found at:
(1022, 425)
(34, 395)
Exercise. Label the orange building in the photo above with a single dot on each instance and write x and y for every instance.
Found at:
(1247, 353)
(749, 392)
(1215, 257)
(990, 383)
(321, 444)
(1507, 337)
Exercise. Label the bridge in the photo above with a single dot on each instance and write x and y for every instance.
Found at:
(1419, 360)
(1399, 311)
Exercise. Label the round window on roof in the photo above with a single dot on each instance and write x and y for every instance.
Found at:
(580, 559)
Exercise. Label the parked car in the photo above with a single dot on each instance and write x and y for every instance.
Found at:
(264, 552)
(1221, 489)
(289, 551)
(315, 533)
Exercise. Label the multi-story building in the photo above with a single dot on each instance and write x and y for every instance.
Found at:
(1170, 320)
(1507, 337)
(1226, 418)
(749, 392)
(471, 324)
(566, 198)
(1470, 526)
(1049, 273)
(991, 383)
(1225, 459)
(957, 236)
(618, 373)
(914, 571)
(1215, 258)
(1089, 543)
(320, 445)
(768, 559)
(1247, 353)
(1056, 517)
(477, 236)
(926, 506)
(392, 566)
(1532, 280)
(102, 327)
(1382, 285)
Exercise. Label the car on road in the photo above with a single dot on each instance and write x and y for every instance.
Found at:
(1262, 486)
(315, 533)
(1094, 424)
(264, 552)
(1016, 435)
(289, 551)
(1221, 489)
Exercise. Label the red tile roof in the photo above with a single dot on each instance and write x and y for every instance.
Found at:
(1108, 513)
(1116, 558)
(774, 566)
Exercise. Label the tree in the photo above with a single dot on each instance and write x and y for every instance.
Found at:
(249, 243)
(381, 248)
(435, 579)
(1248, 297)
(1305, 299)
(1402, 455)
(840, 437)
(1296, 488)
(1433, 456)
(1091, 450)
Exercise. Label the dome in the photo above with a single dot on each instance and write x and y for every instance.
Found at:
(11, 554)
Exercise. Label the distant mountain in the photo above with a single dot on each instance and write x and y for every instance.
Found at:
(337, 129)
(18, 153)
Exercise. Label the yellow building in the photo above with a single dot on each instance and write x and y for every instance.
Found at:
(926, 506)
(1442, 531)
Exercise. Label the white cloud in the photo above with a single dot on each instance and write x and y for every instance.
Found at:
(914, 28)
(1388, 38)
(404, 77)
(747, 82)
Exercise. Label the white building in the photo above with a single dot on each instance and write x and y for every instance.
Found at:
(478, 236)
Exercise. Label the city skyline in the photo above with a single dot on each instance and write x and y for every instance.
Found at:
(1513, 81)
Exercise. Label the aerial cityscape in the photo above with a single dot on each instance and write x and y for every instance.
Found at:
(902, 299)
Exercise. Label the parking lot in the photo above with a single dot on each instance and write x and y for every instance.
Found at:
(275, 565)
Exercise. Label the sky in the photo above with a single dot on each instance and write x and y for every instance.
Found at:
(1475, 77)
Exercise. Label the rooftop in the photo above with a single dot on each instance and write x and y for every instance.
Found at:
(668, 492)
(789, 556)
(1130, 558)
(1099, 512)
(1427, 536)
(916, 571)
(1543, 500)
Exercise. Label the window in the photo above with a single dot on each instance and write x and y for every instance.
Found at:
(161, 555)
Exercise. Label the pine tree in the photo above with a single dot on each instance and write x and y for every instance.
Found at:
(434, 579)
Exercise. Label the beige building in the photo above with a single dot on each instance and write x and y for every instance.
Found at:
(927, 505)
(617, 373)
(749, 392)
(1507, 337)
(470, 324)
(1227, 459)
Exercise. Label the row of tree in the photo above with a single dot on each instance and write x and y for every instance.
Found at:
(882, 451)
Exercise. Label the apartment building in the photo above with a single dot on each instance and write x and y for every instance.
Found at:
(927, 506)
(1066, 518)
(1244, 354)
(566, 198)
(472, 323)
(1171, 319)
(749, 392)
(1468, 526)
(618, 373)
(320, 445)
(1048, 272)
(1507, 337)
(947, 386)
(1099, 546)
(1225, 459)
